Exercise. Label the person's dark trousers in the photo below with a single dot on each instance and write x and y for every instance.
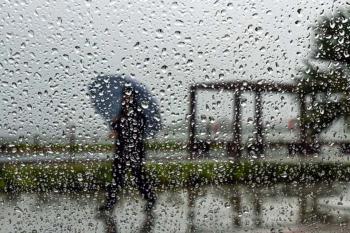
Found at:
(144, 183)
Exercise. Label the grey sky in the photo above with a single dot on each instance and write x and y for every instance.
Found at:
(50, 50)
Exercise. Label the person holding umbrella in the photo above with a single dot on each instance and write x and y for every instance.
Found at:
(134, 116)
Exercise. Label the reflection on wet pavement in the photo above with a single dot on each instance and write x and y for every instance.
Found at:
(281, 208)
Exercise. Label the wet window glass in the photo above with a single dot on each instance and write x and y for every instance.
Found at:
(174, 116)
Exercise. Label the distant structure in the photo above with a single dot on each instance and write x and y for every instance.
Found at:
(198, 147)
(70, 134)
(36, 139)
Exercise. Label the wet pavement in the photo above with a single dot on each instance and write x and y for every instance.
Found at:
(279, 208)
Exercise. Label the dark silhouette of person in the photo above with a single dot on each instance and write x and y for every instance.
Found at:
(129, 152)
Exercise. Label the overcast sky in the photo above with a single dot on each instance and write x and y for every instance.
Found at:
(50, 51)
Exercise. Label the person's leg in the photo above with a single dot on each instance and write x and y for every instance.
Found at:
(144, 183)
(118, 174)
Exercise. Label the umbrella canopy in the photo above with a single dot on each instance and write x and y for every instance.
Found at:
(106, 94)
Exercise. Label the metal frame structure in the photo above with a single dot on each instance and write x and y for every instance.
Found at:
(238, 88)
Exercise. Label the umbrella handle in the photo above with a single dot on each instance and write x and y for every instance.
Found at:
(114, 122)
(113, 134)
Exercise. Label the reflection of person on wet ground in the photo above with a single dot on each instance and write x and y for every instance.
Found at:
(109, 222)
(130, 152)
(111, 225)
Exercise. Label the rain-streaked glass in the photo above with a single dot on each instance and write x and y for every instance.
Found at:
(174, 116)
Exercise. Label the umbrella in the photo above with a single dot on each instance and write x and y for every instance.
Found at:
(106, 94)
